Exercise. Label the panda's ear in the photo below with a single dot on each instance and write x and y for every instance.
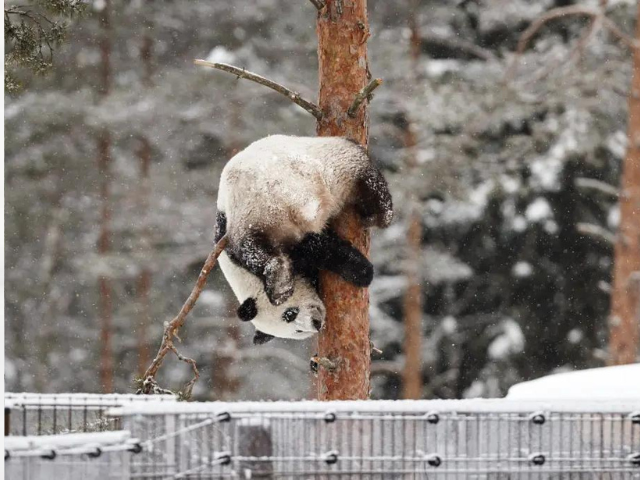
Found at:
(261, 338)
(248, 310)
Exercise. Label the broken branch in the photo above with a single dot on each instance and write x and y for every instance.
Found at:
(318, 4)
(310, 107)
(363, 95)
(149, 384)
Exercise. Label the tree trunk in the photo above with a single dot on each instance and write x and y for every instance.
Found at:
(624, 333)
(412, 373)
(104, 241)
(343, 30)
(144, 277)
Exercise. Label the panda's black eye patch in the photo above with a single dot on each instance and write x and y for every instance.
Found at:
(290, 314)
(248, 310)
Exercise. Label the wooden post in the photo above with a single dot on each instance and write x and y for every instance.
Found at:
(343, 30)
(624, 322)
(254, 440)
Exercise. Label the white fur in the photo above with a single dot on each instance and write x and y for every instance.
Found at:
(285, 187)
(269, 319)
(288, 186)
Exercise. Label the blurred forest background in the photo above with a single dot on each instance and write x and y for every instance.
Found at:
(502, 242)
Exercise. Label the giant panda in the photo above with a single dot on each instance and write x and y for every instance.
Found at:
(276, 199)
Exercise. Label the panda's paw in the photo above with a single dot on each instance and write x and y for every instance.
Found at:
(359, 273)
(278, 284)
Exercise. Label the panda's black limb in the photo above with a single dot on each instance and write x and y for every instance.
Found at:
(373, 200)
(274, 268)
(327, 251)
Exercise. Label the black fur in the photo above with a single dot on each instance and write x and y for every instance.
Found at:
(327, 251)
(260, 338)
(248, 310)
(373, 200)
(221, 226)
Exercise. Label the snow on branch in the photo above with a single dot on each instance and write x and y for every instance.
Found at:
(310, 107)
(596, 185)
(363, 95)
(597, 232)
(148, 383)
(598, 20)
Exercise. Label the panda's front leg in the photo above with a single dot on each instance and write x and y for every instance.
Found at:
(261, 258)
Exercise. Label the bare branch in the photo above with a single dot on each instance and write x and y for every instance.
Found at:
(363, 95)
(598, 17)
(597, 232)
(386, 367)
(597, 185)
(458, 45)
(310, 107)
(149, 384)
(319, 4)
(623, 37)
(533, 29)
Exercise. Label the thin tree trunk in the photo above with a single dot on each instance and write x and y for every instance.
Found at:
(343, 30)
(104, 241)
(224, 383)
(624, 334)
(412, 383)
(144, 277)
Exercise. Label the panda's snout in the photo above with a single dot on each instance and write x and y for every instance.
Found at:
(317, 314)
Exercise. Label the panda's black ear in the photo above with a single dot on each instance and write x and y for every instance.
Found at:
(248, 310)
(261, 338)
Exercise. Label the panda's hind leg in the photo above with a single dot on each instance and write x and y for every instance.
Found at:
(372, 198)
(271, 265)
(327, 251)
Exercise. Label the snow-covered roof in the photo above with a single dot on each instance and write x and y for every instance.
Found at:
(607, 383)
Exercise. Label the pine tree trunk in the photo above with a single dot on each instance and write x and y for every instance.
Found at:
(624, 334)
(104, 241)
(343, 30)
(144, 277)
(412, 384)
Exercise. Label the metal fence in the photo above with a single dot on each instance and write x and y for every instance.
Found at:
(81, 456)
(480, 439)
(474, 439)
(49, 414)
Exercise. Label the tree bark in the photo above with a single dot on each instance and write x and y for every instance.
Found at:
(143, 286)
(343, 30)
(104, 241)
(624, 333)
(412, 383)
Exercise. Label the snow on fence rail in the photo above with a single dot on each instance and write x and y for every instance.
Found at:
(446, 439)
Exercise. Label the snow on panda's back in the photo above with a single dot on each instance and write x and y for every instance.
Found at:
(288, 186)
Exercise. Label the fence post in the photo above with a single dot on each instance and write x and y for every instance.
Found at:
(254, 440)
(7, 421)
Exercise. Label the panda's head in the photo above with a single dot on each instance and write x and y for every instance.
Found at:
(300, 317)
